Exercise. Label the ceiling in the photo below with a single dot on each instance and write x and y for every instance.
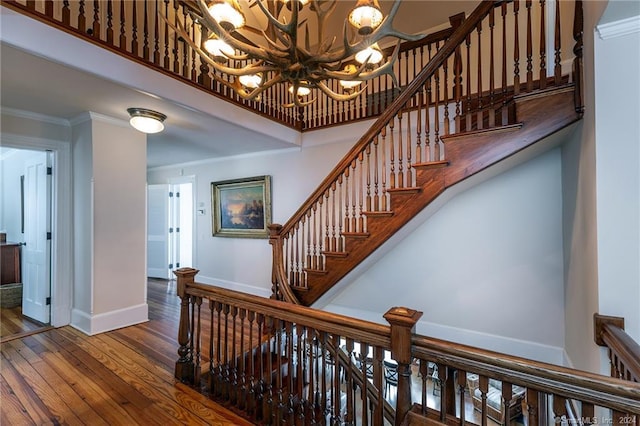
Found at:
(46, 85)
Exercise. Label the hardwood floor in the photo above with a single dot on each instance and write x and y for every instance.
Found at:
(122, 377)
(14, 325)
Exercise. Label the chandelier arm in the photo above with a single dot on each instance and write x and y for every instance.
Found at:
(246, 94)
(297, 102)
(248, 69)
(274, 45)
(285, 28)
(337, 96)
(212, 25)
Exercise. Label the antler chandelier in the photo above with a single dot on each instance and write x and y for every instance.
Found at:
(282, 52)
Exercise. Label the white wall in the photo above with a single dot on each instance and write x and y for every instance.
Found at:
(486, 269)
(110, 224)
(245, 264)
(579, 218)
(617, 132)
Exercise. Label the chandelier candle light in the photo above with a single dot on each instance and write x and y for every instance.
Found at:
(273, 55)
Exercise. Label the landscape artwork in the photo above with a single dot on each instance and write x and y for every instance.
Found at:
(242, 207)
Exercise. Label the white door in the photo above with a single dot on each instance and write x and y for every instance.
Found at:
(158, 231)
(36, 253)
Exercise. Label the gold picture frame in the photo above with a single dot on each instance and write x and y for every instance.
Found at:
(241, 208)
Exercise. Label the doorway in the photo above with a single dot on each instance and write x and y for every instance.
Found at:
(25, 225)
(170, 227)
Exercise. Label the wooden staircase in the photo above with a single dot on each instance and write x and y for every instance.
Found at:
(434, 136)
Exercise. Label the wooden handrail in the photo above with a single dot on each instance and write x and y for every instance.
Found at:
(624, 352)
(567, 382)
(292, 328)
(458, 36)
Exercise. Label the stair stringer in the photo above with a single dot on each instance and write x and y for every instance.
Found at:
(473, 157)
(527, 154)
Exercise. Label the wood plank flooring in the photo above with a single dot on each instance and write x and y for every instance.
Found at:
(123, 377)
(15, 325)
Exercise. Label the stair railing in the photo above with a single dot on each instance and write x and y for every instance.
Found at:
(278, 363)
(624, 352)
(135, 29)
(467, 85)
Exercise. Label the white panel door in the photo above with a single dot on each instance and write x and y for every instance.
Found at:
(158, 231)
(36, 253)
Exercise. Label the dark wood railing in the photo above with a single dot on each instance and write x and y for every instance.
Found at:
(279, 363)
(136, 30)
(495, 55)
(624, 352)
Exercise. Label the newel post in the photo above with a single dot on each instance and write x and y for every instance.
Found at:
(403, 323)
(276, 244)
(184, 365)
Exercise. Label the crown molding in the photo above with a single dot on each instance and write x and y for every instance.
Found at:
(94, 116)
(18, 113)
(619, 28)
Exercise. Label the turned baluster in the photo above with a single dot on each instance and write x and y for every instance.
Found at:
(557, 46)
(376, 194)
(505, 115)
(392, 163)
(531, 407)
(403, 322)
(457, 89)
(480, 113)
(66, 13)
(334, 239)
(95, 25)
(400, 183)
(483, 385)
(361, 192)
(166, 36)
(354, 195)
(123, 31)
(213, 355)
(184, 368)
(384, 169)
(507, 396)
(277, 257)
(251, 382)
(145, 33)
(241, 368)
(313, 221)
(134, 29)
(340, 246)
(110, 22)
(82, 20)
(156, 35)
(461, 384)
(347, 210)
(436, 117)
(543, 46)
(468, 109)
(516, 49)
(445, 99)
(48, 8)
(578, 25)
(409, 149)
(529, 48)
(492, 83)
(176, 49)
(368, 206)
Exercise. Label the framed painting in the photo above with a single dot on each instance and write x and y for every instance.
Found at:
(241, 207)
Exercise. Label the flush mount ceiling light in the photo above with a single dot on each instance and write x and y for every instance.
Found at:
(146, 120)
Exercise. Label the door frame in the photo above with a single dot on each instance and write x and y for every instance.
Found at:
(61, 219)
(192, 180)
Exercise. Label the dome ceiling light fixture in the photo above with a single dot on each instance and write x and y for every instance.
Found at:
(146, 120)
(250, 60)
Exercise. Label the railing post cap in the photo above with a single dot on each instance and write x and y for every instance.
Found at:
(274, 229)
(181, 272)
(402, 316)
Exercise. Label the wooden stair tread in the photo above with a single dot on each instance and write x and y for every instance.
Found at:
(355, 234)
(406, 190)
(498, 129)
(299, 288)
(335, 253)
(430, 165)
(378, 213)
(315, 271)
(541, 93)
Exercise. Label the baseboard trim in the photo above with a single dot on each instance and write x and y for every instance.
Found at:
(232, 285)
(526, 349)
(108, 321)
